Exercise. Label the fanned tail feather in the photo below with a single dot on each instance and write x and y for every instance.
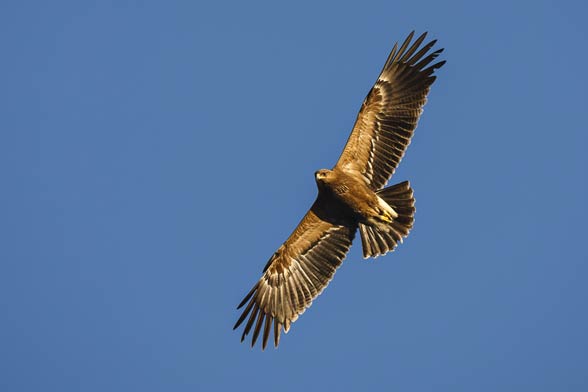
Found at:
(377, 241)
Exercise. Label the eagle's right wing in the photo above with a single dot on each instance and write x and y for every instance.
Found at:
(390, 112)
(296, 274)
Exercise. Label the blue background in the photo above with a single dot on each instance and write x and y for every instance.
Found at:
(154, 155)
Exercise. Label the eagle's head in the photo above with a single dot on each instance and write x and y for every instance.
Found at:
(322, 175)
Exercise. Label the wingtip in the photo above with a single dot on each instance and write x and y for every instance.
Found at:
(248, 296)
(440, 64)
(277, 330)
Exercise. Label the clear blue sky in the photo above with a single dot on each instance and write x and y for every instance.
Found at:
(154, 155)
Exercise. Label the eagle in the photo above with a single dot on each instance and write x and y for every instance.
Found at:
(351, 196)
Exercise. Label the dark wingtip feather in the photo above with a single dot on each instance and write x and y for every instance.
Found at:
(427, 60)
(419, 54)
(412, 49)
(277, 330)
(250, 322)
(257, 328)
(439, 64)
(243, 315)
(266, 331)
(403, 47)
(244, 301)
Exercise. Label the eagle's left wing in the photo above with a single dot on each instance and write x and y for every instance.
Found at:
(297, 273)
(390, 112)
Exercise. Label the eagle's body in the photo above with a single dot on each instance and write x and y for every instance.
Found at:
(351, 196)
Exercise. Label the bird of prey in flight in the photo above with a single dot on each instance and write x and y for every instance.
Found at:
(351, 196)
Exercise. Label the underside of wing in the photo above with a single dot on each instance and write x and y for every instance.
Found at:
(295, 275)
(390, 112)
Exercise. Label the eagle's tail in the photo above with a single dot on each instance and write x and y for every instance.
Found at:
(378, 241)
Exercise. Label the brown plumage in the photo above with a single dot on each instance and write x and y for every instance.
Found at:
(350, 196)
